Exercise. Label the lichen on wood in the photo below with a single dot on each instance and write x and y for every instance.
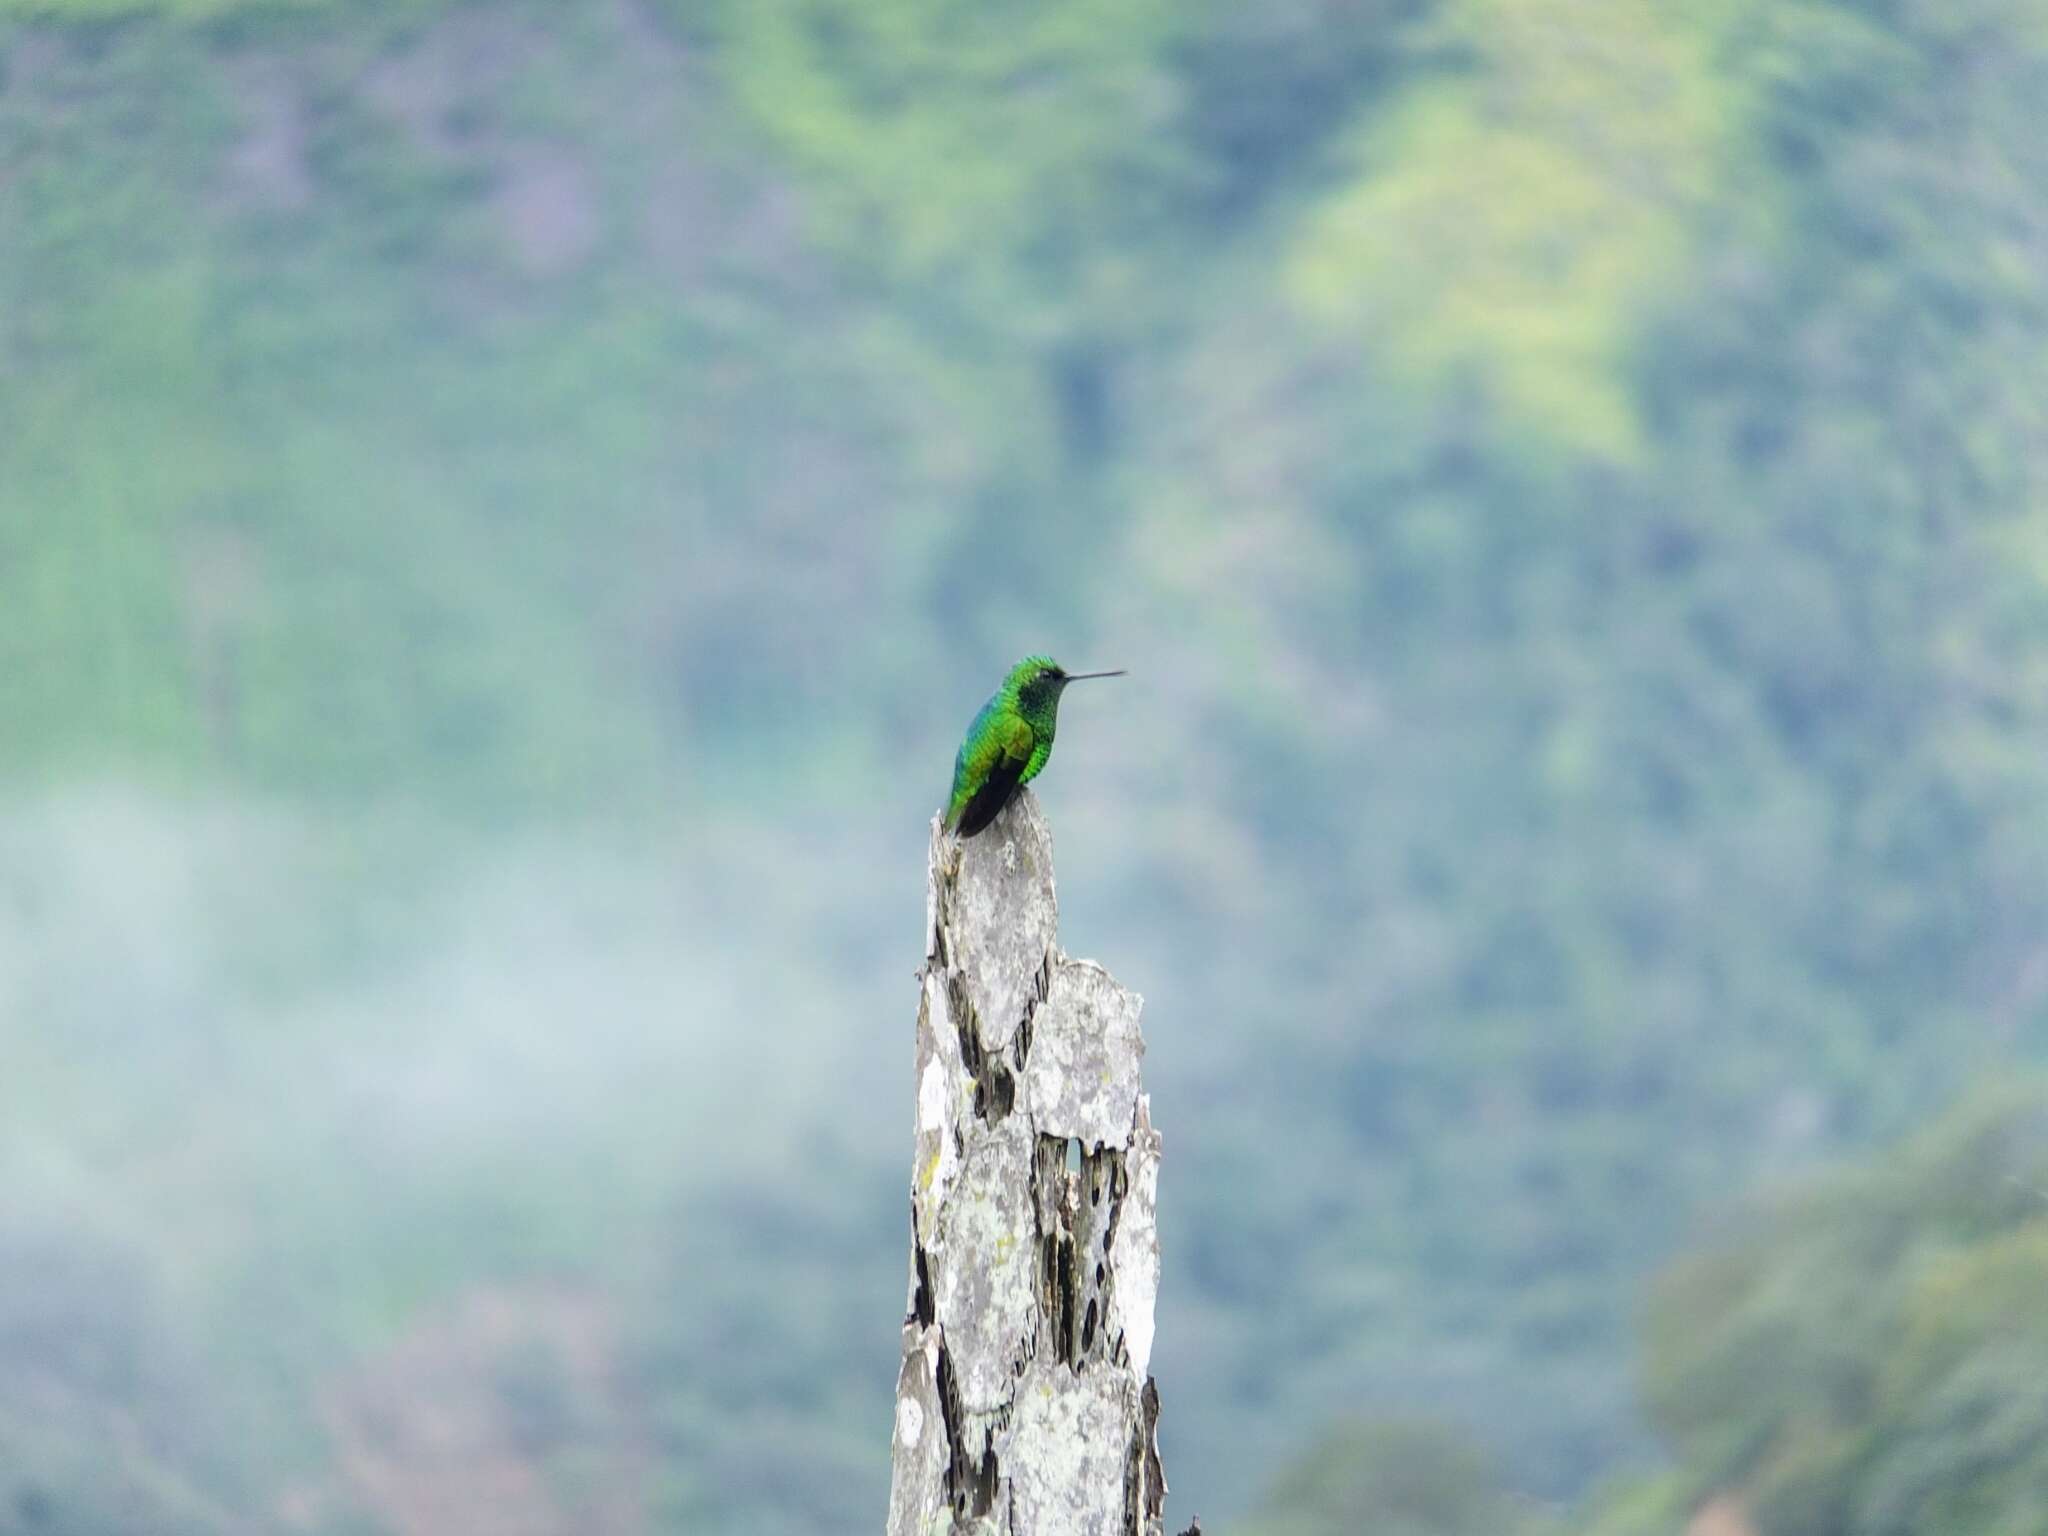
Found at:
(1024, 1406)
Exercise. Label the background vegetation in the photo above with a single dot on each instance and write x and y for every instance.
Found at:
(504, 510)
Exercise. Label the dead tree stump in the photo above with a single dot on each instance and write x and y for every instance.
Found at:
(1024, 1406)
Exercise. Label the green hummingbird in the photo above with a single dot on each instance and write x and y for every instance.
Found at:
(1008, 742)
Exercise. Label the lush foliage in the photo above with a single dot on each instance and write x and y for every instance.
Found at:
(1867, 1356)
(523, 498)
(1861, 1354)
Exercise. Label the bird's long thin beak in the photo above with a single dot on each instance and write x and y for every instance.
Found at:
(1075, 677)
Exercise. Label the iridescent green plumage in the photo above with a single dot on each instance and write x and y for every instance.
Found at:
(1008, 743)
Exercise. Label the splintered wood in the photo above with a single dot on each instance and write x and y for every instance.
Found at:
(1024, 1406)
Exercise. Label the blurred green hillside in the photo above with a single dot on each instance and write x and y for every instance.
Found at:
(1859, 1355)
(1867, 1356)
(504, 510)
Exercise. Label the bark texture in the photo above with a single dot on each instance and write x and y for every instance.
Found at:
(1024, 1407)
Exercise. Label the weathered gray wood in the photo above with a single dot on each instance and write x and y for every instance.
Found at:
(1024, 1407)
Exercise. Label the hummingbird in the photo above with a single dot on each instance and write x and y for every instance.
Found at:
(1008, 741)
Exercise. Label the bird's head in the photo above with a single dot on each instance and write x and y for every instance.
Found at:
(1036, 683)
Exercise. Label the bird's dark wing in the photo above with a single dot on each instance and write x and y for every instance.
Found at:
(998, 761)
